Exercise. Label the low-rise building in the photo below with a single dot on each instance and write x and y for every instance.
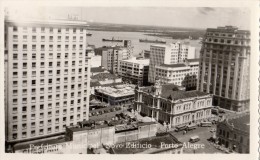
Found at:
(116, 95)
(78, 139)
(176, 108)
(182, 74)
(97, 70)
(103, 80)
(134, 70)
(234, 134)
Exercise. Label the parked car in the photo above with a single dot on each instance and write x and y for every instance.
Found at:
(194, 139)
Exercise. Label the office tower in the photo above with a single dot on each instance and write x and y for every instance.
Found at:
(224, 67)
(134, 70)
(181, 74)
(47, 80)
(167, 54)
(111, 56)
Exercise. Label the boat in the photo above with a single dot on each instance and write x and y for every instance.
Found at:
(151, 41)
(112, 40)
(88, 34)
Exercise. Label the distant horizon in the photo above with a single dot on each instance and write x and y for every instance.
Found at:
(168, 17)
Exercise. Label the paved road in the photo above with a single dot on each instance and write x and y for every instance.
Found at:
(204, 133)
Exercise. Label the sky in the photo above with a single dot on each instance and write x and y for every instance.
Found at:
(205, 17)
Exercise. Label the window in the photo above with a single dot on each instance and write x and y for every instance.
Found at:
(33, 47)
(15, 29)
(42, 29)
(59, 30)
(15, 47)
(15, 56)
(42, 38)
(51, 30)
(33, 58)
(24, 37)
(33, 29)
(33, 82)
(42, 47)
(15, 74)
(15, 65)
(24, 47)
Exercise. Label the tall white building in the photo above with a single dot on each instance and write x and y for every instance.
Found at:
(168, 54)
(181, 74)
(134, 70)
(47, 80)
(225, 67)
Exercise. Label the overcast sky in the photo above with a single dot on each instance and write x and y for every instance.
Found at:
(160, 16)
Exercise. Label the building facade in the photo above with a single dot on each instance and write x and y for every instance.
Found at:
(234, 133)
(46, 77)
(182, 74)
(95, 59)
(224, 67)
(176, 108)
(111, 56)
(167, 54)
(134, 70)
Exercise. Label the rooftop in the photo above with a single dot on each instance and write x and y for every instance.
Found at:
(139, 61)
(94, 84)
(51, 22)
(97, 69)
(172, 91)
(193, 60)
(174, 65)
(155, 143)
(228, 29)
(241, 122)
(104, 76)
(118, 90)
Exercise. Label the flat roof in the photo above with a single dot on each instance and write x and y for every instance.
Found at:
(104, 76)
(97, 69)
(193, 60)
(50, 22)
(118, 90)
(174, 65)
(138, 61)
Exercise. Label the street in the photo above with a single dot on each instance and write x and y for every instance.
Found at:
(204, 133)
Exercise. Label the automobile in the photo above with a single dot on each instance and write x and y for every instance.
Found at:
(205, 124)
(180, 128)
(213, 130)
(194, 139)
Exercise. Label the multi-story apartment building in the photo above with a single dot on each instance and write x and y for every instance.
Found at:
(182, 74)
(46, 77)
(167, 54)
(134, 70)
(224, 67)
(111, 56)
(175, 107)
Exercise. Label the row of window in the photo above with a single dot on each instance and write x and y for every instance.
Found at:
(51, 38)
(25, 47)
(43, 29)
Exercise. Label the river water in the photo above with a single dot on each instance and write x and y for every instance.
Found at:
(97, 36)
